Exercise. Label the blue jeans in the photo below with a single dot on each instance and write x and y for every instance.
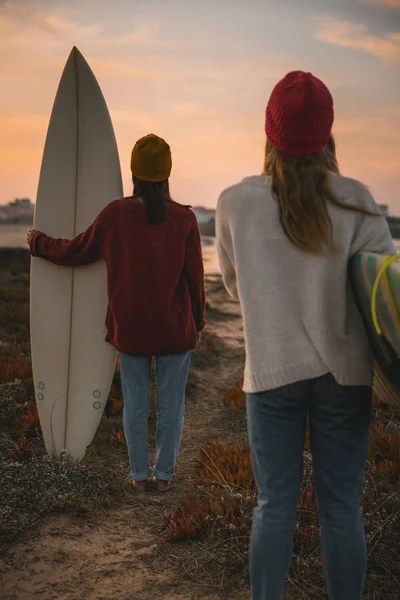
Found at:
(171, 377)
(339, 419)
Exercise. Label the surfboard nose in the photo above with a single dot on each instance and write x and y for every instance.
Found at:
(77, 67)
(76, 57)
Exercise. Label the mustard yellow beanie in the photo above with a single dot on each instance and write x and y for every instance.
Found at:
(151, 159)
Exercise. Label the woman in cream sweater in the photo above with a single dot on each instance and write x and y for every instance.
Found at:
(284, 241)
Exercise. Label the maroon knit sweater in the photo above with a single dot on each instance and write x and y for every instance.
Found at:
(156, 297)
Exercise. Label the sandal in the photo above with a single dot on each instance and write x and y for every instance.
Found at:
(140, 486)
(162, 485)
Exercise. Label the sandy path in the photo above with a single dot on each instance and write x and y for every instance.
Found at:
(119, 555)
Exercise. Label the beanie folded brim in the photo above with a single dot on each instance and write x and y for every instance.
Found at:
(144, 175)
(294, 148)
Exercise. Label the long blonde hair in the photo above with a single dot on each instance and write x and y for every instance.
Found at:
(300, 184)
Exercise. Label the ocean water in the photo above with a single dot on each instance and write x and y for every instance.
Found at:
(14, 236)
(211, 264)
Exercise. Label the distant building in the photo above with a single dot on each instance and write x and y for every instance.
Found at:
(23, 203)
(20, 210)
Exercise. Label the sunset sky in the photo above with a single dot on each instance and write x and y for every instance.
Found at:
(199, 73)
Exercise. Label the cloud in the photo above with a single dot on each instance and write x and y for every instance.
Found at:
(41, 28)
(50, 27)
(357, 35)
(37, 36)
(161, 72)
(383, 3)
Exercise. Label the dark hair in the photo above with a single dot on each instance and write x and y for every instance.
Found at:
(155, 196)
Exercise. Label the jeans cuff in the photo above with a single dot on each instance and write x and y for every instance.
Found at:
(163, 476)
(141, 476)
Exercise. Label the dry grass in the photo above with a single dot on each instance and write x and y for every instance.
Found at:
(212, 521)
(218, 512)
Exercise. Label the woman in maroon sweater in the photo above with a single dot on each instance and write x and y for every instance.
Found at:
(156, 300)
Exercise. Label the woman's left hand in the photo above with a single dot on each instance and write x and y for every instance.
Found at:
(29, 236)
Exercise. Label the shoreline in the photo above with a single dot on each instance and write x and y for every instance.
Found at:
(210, 259)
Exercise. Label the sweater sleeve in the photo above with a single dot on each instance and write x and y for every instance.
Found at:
(194, 270)
(373, 233)
(225, 250)
(85, 248)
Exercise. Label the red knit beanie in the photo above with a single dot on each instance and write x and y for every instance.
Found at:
(299, 114)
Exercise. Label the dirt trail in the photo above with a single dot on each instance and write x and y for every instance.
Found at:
(119, 554)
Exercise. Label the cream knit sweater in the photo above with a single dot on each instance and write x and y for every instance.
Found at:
(300, 319)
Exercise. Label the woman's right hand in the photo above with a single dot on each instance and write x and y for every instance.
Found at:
(29, 236)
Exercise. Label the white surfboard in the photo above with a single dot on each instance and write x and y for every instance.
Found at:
(72, 364)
